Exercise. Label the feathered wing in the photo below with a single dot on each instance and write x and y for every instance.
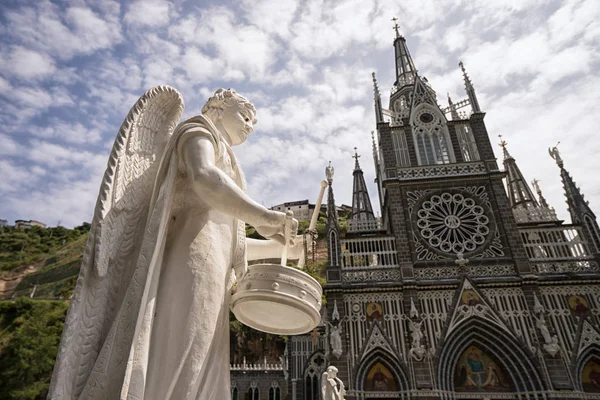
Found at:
(115, 237)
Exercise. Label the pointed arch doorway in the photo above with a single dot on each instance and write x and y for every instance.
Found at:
(380, 373)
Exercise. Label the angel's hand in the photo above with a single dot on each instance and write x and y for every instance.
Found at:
(274, 226)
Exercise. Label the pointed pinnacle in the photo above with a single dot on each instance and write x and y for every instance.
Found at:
(465, 75)
(375, 86)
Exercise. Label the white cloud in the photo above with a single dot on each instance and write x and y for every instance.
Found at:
(8, 146)
(72, 133)
(28, 64)
(148, 13)
(14, 178)
(63, 33)
(246, 51)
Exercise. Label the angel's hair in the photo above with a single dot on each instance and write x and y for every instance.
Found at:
(331, 368)
(222, 97)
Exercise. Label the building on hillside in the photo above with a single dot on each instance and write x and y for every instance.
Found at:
(463, 289)
(3, 222)
(301, 209)
(22, 224)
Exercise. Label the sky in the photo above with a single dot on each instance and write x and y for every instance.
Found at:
(71, 70)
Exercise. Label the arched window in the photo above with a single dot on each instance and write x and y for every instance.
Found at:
(274, 391)
(312, 377)
(467, 144)
(234, 391)
(401, 149)
(253, 392)
(431, 137)
(333, 248)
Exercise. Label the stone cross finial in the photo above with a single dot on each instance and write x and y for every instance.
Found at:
(356, 157)
(315, 336)
(396, 27)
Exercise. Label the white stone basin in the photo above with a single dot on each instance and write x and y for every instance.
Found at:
(278, 300)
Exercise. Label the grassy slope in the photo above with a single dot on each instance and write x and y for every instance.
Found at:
(56, 278)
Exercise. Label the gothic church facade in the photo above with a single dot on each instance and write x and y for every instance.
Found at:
(463, 289)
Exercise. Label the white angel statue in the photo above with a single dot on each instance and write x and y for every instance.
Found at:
(332, 387)
(149, 318)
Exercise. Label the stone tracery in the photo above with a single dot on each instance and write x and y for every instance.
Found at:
(453, 223)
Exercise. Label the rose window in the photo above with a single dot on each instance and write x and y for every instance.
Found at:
(452, 223)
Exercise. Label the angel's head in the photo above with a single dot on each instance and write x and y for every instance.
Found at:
(232, 114)
(332, 371)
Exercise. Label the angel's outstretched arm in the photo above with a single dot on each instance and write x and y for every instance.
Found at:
(261, 249)
(220, 192)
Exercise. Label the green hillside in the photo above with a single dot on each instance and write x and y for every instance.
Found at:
(29, 335)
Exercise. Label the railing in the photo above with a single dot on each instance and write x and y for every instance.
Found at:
(365, 225)
(379, 252)
(256, 367)
(555, 243)
(437, 171)
(558, 249)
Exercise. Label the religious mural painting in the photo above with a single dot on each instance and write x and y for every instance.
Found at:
(590, 377)
(470, 298)
(578, 305)
(380, 379)
(374, 311)
(477, 371)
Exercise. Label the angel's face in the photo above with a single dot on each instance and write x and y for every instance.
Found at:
(238, 121)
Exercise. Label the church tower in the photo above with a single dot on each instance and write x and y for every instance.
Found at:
(442, 190)
(467, 288)
(362, 211)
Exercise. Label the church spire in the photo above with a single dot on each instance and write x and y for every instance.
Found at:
(470, 89)
(581, 213)
(405, 67)
(575, 200)
(332, 224)
(536, 185)
(519, 193)
(377, 96)
(361, 203)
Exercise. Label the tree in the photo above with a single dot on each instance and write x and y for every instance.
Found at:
(30, 333)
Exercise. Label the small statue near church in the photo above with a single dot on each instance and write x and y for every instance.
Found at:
(332, 387)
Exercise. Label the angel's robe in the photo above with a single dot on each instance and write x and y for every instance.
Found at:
(331, 388)
(170, 338)
(189, 349)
